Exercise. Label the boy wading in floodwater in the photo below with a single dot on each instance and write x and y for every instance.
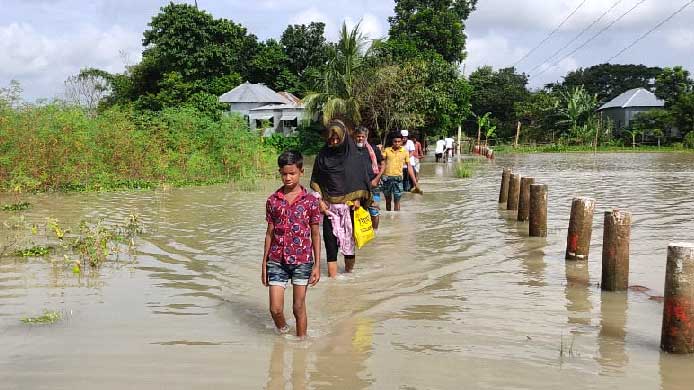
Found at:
(292, 243)
(396, 157)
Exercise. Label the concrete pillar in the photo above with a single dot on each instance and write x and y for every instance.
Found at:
(615, 250)
(513, 191)
(678, 312)
(524, 199)
(503, 193)
(538, 210)
(580, 228)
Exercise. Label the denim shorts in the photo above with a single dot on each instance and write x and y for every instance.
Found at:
(392, 186)
(278, 274)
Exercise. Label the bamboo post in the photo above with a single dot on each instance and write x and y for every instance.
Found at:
(503, 193)
(615, 250)
(524, 200)
(460, 139)
(580, 228)
(518, 129)
(678, 311)
(538, 210)
(513, 191)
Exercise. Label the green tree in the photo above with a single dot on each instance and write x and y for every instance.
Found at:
(268, 64)
(497, 92)
(683, 112)
(606, 81)
(538, 114)
(337, 98)
(432, 26)
(187, 51)
(672, 83)
(306, 53)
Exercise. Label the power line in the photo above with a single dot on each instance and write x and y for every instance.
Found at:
(644, 35)
(577, 36)
(550, 34)
(592, 38)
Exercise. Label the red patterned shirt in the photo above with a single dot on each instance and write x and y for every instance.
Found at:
(291, 237)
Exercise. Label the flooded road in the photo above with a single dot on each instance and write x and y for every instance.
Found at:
(452, 293)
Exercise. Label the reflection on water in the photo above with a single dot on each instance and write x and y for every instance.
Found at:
(611, 338)
(452, 293)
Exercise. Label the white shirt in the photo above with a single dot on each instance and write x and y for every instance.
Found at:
(409, 146)
(440, 146)
(449, 143)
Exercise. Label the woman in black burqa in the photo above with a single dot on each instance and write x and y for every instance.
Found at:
(340, 176)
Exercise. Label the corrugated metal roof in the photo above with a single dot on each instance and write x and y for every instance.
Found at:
(251, 93)
(637, 97)
(289, 97)
(279, 107)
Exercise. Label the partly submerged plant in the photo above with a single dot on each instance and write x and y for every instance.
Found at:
(48, 317)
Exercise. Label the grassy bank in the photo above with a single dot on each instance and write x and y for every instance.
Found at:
(505, 149)
(53, 147)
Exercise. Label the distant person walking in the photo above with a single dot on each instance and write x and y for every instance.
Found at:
(340, 176)
(449, 148)
(417, 156)
(373, 159)
(440, 149)
(395, 157)
(410, 148)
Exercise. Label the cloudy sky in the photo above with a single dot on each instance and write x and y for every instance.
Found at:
(44, 41)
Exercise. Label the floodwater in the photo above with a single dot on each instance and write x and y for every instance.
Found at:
(452, 294)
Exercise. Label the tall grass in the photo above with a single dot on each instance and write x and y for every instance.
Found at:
(54, 147)
(466, 168)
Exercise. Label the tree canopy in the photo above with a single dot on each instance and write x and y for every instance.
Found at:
(609, 80)
(431, 25)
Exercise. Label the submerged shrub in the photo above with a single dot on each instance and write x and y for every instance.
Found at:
(54, 147)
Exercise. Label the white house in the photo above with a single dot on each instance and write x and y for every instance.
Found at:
(258, 104)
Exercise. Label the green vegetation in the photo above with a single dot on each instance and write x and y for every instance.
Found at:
(54, 147)
(21, 206)
(565, 116)
(48, 317)
(466, 168)
(35, 251)
(556, 148)
(87, 247)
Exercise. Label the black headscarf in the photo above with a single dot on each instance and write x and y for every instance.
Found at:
(339, 173)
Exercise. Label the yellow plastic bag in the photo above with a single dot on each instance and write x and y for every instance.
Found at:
(363, 231)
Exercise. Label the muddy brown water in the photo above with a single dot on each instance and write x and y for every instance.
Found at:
(452, 294)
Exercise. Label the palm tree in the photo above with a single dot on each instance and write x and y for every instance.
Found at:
(633, 133)
(337, 99)
(658, 133)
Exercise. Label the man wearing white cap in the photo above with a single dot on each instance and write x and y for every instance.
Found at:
(410, 147)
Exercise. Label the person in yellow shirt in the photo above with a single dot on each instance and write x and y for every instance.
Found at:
(395, 158)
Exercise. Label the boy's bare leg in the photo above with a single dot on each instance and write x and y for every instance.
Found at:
(277, 306)
(332, 269)
(349, 263)
(397, 205)
(299, 308)
(388, 200)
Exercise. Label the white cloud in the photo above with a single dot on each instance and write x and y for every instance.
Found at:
(371, 26)
(309, 15)
(493, 49)
(42, 62)
(680, 39)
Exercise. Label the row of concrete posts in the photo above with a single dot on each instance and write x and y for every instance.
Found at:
(521, 194)
(484, 151)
